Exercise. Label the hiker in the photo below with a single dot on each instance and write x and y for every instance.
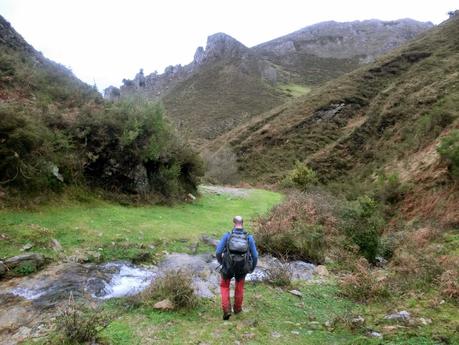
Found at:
(238, 255)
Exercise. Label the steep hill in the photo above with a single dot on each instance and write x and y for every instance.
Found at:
(384, 118)
(58, 132)
(227, 82)
(327, 50)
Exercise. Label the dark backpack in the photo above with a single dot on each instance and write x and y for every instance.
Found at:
(237, 258)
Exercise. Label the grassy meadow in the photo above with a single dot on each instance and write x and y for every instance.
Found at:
(123, 232)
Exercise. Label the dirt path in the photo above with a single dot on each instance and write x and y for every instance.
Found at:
(232, 191)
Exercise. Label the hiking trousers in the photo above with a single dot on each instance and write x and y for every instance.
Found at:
(238, 294)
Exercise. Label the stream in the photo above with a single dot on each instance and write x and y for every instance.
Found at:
(29, 303)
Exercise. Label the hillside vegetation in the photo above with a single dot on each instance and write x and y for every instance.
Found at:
(385, 118)
(56, 132)
(228, 83)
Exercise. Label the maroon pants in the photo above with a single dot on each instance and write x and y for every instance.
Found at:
(238, 294)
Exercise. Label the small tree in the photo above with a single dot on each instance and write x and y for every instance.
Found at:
(449, 151)
(301, 177)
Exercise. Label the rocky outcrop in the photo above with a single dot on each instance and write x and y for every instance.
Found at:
(223, 46)
(33, 260)
(368, 38)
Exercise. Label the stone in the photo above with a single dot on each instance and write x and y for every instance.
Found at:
(358, 321)
(296, 293)
(191, 197)
(374, 334)
(35, 259)
(295, 332)
(56, 245)
(424, 321)
(26, 247)
(275, 335)
(2, 269)
(380, 261)
(321, 271)
(399, 316)
(165, 304)
(209, 240)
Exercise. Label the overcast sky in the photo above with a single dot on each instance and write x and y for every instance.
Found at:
(104, 41)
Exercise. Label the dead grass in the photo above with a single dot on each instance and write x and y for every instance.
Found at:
(177, 286)
(363, 285)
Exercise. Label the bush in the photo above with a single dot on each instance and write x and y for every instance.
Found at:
(362, 223)
(296, 229)
(362, 285)
(449, 285)
(449, 151)
(415, 268)
(177, 286)
(129, 148)
(301, 177)
(79, 324)
(279, 274)
(389, 189)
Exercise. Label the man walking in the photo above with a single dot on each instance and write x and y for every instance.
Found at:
(238, 255)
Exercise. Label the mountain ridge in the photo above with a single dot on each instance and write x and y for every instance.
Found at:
(261, 80)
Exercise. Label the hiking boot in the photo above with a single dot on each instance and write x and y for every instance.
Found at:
(226, 315)
(237, 311)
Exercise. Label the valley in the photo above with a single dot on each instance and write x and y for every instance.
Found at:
(338, 144)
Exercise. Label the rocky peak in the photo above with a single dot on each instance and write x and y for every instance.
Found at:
(220, 45)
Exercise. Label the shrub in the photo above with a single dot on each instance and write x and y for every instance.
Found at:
(449, 151)
(362, 223)
(449, 285)
(301, 177)
(129, 147)
(177, 286)
(279, 274)
(78, 324)
(389, 189)
(415, 268)
(296, 228)
(362, 285)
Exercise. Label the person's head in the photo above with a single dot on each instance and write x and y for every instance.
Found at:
(238, 222)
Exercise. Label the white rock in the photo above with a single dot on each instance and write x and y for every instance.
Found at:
(402, 315)
(296, 293)
(26, 247)
(375, 334)
(275, 335)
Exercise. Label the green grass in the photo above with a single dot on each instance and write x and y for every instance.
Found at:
(295, 90)
(122, 232)
(267, 311)
(271, 312)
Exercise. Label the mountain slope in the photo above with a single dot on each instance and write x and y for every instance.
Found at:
(227, 83)
(327, 50)
(385, 117)
(57, 132)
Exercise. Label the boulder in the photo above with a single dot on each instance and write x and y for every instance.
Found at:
(33, 259)
(321, 271)
(165, 304)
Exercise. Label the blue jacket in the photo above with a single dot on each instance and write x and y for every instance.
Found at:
(222, 244)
